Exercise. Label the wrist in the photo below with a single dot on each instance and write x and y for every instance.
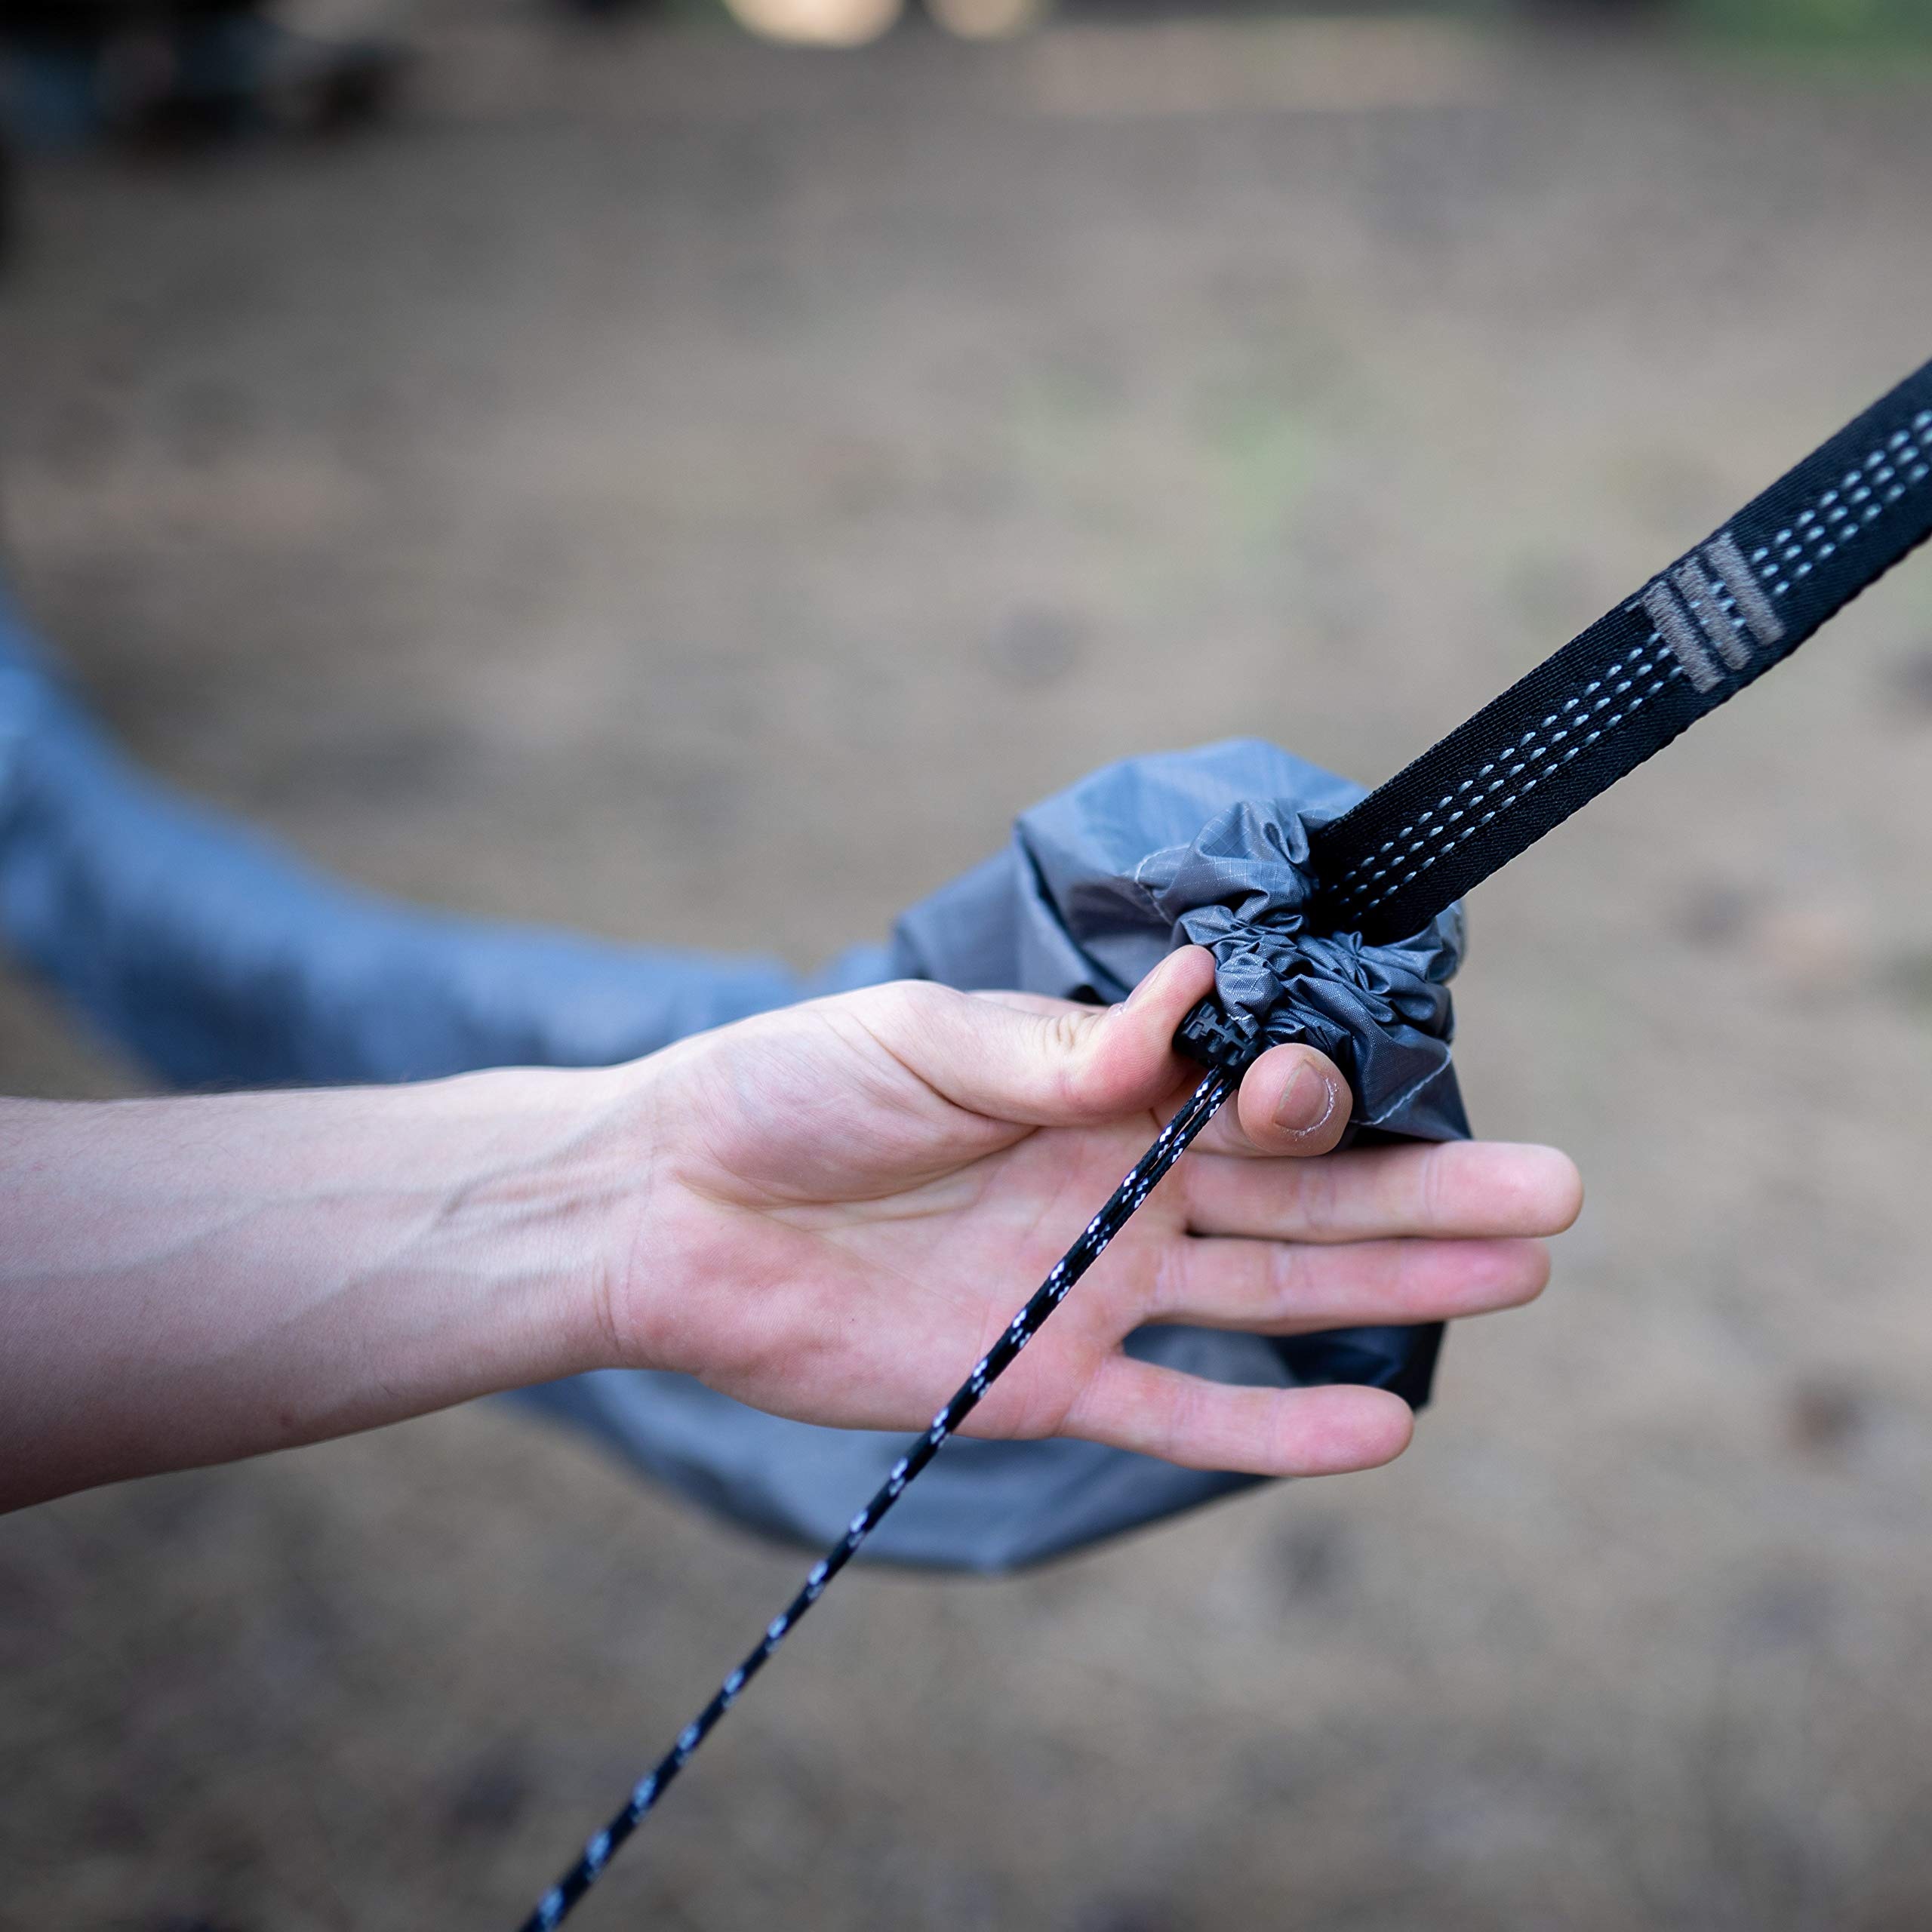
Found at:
(613, 1202)
(660, 1239)
(567, 1209)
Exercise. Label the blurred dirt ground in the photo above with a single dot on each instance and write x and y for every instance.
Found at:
(660, 455)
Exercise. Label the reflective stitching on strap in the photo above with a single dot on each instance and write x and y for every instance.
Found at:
(1741, 581)
(1725, 629)
(1674, 628)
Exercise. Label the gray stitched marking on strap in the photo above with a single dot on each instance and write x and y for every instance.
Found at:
(1700, 594)
(1675, 631)
(1742, 582)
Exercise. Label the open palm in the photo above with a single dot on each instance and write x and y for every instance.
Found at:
(859, 1191)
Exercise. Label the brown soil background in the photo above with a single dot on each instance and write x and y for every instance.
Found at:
(658, 457)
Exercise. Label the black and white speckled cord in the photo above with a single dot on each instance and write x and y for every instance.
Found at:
(1174, 1141)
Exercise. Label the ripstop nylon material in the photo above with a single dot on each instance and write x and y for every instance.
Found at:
(1693, 638)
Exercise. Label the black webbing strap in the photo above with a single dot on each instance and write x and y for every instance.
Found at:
(1723, 613)
(1695, 635)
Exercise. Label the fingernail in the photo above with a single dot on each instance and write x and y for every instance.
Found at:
(1306, 1101)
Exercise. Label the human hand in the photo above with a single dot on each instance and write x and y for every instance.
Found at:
(850, 1199)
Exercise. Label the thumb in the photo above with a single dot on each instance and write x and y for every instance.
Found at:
(1050, 1063)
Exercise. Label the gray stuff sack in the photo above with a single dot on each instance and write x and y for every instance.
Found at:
(219, 960)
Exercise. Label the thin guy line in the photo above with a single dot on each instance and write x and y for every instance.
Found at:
(1173, 1140)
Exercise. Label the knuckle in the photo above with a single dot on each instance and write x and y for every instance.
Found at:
(1070, 1035)
(903, 1009)
(1073, 1039)
(1169, 1279)
(1431, 1183)
(1285, 1268)
(1320, 1184)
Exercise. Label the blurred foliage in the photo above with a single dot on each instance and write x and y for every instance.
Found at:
(1823, 23)
(1804, 27)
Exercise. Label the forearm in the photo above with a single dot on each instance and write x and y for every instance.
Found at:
(183, 1281)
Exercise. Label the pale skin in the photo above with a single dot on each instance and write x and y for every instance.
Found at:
(829, 1212)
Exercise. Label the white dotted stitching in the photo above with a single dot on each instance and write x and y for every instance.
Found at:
(1861, 496)
(1532, 749)
(1415, 840)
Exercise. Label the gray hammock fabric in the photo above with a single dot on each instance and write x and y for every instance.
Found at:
(217, 960)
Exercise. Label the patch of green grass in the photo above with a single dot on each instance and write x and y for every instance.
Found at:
(1831, 30)
(1835, 24)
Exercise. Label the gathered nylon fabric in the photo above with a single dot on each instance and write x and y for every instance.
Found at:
(217, 960)
(1206, 847)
